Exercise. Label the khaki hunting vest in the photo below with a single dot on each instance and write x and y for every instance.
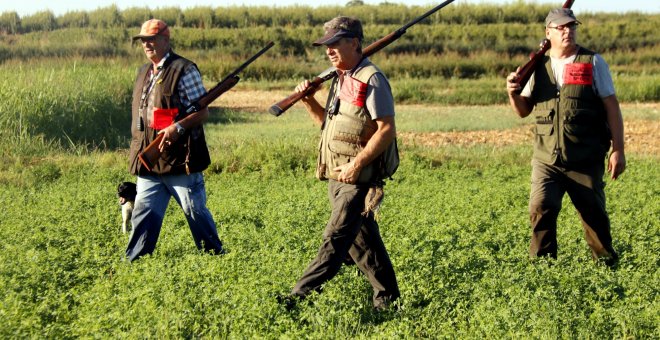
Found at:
(571, 124)
(189, 153)
(345, 133)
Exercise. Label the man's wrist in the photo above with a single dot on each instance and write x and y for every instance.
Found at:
(179, 128)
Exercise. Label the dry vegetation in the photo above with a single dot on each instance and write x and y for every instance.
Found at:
(642, 136)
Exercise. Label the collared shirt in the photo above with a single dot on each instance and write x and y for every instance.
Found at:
(191, 88)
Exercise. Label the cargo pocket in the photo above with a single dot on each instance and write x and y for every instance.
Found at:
(545, 129)
(346, 140)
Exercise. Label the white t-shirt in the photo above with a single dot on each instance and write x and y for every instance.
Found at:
(603, 85)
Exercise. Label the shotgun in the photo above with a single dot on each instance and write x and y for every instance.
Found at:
(284, 104)
(535, 58)
(150, 155)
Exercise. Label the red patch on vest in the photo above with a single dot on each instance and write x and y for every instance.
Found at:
(579, 74)
(163, 118)
(353, 91)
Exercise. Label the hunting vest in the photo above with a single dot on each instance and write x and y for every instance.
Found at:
(348, 127)
(571, 123)
(156, 105)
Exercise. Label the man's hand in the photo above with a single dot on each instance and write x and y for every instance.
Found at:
(170, 136)
(521, 105)
(511, 87)
(303, 86)
(348, 173)
(316, 111)
(616, 164)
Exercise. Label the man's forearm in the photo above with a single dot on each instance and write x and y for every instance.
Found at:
(521, 105)
(615, 121)
(195, 119)
(316, 111)
(377, 144)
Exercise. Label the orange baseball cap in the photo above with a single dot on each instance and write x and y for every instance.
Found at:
(152, 28)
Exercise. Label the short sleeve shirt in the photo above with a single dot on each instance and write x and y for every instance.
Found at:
(379, 101)
(603, 85)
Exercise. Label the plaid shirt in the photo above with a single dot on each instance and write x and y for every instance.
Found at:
(190, 85)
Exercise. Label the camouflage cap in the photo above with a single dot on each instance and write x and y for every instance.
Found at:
(560, 16)
(340, 27)
(152, 28)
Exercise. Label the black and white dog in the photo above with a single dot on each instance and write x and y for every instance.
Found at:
(126, 191)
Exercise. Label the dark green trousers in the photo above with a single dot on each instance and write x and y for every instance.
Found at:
(585, 189)
(349, 233)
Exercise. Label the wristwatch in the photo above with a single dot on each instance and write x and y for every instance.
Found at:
(180, 129)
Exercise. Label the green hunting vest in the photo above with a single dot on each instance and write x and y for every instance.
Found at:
(345, 133)
(571, 124)
(189, 153)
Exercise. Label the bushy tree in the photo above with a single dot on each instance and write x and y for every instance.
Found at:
(105, 17)
(73, 19)
(199, 17)
(355, 3)
(40, 21)
(10, 23)
(171, 15)
(135, 16)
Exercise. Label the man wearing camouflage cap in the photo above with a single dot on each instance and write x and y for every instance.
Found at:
(357, 127)
(577, 118)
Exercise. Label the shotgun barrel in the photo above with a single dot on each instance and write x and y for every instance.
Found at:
(284, 104)
(151, 154)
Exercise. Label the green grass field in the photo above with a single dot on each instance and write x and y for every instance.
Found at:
(454, 221)
(454, 218)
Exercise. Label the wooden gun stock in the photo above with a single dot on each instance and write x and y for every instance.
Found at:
(284, 104)
(151, 154)
(535, 58)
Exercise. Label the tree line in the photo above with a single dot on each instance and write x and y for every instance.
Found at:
(243, 16)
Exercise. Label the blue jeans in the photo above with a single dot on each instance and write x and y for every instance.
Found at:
(153, 196)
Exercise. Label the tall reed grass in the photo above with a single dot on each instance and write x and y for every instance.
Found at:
(65, 103)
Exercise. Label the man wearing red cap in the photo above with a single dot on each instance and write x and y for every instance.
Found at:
(357, 128)
(577, 119)
(164, 88)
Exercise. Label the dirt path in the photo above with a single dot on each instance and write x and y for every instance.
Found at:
(641, 136)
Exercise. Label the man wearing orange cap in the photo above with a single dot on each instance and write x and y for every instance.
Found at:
(164, 88)
(357, 127)
(577, 119)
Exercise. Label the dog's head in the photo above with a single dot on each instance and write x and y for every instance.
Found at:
(126, 191)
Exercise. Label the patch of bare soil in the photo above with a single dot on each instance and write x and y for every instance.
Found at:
(256, 101)
(640, 137)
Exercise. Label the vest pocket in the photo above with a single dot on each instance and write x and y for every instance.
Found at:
(581, 116)
(544, 129)
(346, 137)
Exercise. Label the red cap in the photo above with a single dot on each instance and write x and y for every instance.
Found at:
(152, 28)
